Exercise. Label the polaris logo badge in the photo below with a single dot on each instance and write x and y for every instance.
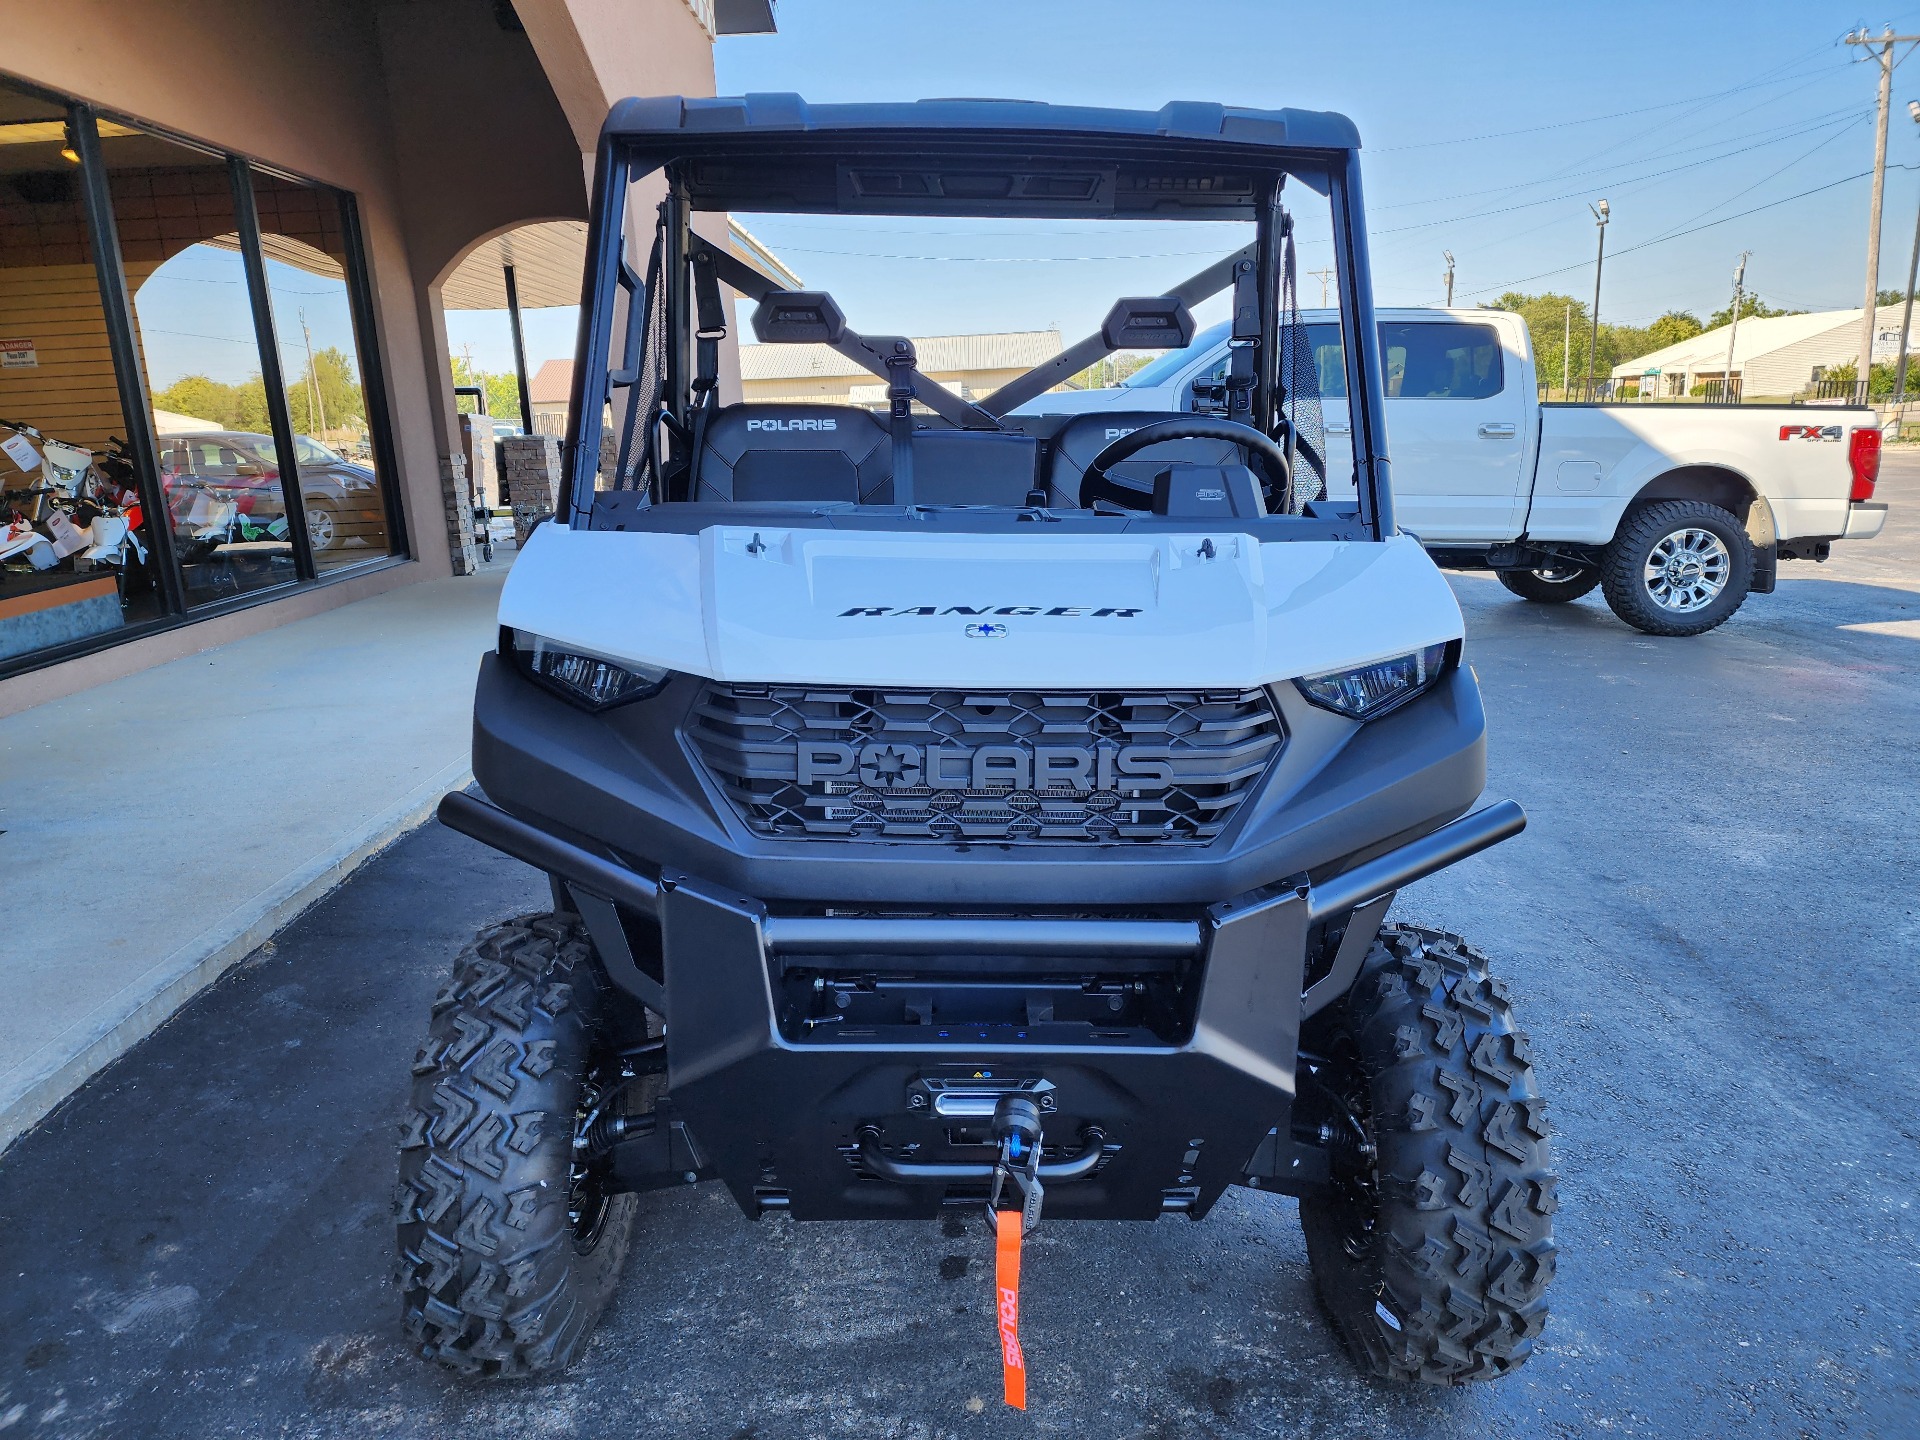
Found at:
(1105, 612)
(1077, 769)
(804, 424)
(1113, 434)
(987, 631)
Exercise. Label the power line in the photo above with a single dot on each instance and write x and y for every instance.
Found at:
(1771, 135)
(1724, 220)
(1765, 178)
(1588, 189)
(1599, 119)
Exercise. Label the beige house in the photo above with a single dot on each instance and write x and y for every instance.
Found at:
(969, 365)
(1774, 358)
(227, 232)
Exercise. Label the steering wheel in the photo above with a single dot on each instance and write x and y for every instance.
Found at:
(1096, 484)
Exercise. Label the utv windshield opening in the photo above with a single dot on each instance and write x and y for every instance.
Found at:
(1136, 244)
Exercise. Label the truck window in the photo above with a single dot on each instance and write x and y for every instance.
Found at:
(1425, 360)
(1329, 359)
(1441, 361)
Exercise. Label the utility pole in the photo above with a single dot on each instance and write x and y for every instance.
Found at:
(1324, 274)
(1449, 255)
(1733, 330)
(1906, 308)
(1600, 213)
(1566, 355)
(316, 403)
(1880, 48)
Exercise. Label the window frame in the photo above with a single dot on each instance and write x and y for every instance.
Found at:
(136, 400)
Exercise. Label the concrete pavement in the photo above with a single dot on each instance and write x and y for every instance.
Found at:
(158, 828)
(1709, 930)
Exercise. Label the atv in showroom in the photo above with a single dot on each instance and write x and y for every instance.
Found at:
(948, 809)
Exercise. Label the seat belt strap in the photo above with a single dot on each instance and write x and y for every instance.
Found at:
(1243, 347)
(711, 329)
(901, 366)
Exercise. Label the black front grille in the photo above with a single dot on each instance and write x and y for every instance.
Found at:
(1022, 766)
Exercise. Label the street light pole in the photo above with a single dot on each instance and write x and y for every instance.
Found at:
(1600, 213)
(1566, 357)
(1906, 308)
(1733, 330)
(1449, 255)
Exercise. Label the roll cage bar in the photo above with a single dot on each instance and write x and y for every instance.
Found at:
(745, 154)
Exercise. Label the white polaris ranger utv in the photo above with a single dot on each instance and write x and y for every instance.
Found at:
(948, 809)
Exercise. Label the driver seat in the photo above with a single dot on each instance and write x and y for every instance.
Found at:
(1083, 437)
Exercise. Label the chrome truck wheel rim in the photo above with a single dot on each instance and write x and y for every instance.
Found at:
(1687, 570)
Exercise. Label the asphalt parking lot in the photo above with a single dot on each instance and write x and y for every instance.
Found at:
(1710, 930)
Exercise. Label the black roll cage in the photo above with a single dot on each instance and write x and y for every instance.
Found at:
(625, 156)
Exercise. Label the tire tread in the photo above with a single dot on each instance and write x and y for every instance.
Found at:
(1463, 1249)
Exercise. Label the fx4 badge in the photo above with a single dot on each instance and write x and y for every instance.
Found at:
(1809, 432)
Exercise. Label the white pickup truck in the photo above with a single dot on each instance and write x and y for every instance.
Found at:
(1676, 511)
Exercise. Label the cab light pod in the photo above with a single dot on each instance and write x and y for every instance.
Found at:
(1369, 691)
(593, 682)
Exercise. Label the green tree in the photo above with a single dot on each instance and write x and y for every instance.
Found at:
(1890, 297)
(1674, 327)
(327, 396)
(1546, 317)
(1109, 371)
(232, 407)
(503, 391)
(1879, 379)
(1752, 307)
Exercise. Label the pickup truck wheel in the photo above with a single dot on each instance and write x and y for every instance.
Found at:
(1677, 567)
(1550, 587)
(1432, 1251)
(510, 1243)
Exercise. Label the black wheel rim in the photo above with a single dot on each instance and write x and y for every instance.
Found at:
(1338, 1103)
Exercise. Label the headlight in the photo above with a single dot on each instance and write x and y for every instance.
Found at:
(583, 677)
(1370, 691)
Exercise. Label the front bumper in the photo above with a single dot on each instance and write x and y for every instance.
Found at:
(1164, 1048)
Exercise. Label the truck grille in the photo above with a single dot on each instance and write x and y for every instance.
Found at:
(1019, 767)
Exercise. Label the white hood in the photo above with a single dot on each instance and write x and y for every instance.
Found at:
(834, 607)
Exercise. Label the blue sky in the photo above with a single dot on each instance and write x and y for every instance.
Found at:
(1488, 129)
(195, 318)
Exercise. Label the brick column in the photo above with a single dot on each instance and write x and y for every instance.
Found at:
(458, 502)
(530, 476)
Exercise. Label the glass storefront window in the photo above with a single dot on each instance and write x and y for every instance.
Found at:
(303, 240)
(75, 559)
(180, 245)
(195, 425)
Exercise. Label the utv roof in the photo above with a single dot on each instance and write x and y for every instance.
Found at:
(1007, 158)
(1186, 120)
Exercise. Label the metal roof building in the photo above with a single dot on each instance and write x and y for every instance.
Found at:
(970, 364)
(1778, 357)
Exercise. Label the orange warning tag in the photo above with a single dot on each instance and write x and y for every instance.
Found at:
(1006, 1287)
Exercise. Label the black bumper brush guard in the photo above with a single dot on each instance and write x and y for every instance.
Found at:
(843, 1066)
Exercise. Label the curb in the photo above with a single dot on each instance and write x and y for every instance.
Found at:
(135, 1012)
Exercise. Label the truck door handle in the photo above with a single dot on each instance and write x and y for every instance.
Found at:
(1499, 430)
(1338, 427)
